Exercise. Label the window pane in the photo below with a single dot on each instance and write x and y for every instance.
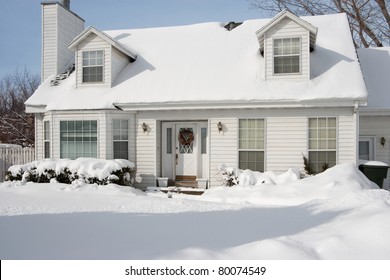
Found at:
(169, 140)
(203, 137)
(120, 132)
(364, 150)
(47, 149)
(313, 144)
(325, 130)
(252, 160)
(121, 150)
(287, 55)
(77, 139)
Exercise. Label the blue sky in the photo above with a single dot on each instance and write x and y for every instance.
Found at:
(20, 21)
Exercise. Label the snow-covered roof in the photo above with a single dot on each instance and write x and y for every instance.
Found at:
(375, 63)
(204, 65)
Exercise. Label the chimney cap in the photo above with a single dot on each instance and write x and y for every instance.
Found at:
(66, 4)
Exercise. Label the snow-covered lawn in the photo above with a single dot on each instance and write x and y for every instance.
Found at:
(338, 214)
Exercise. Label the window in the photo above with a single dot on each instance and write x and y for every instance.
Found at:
(366, 147)
(78, 139)
(322, 143)
(169, 140)
(251, 144)
(203, 140)
(46, 138)
(287, 56)
(121, 139)
(92, 66)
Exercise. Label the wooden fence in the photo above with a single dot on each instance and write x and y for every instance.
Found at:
(14, 156)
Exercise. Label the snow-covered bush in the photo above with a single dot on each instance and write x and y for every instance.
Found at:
(234, 176)
(89, 170)
(229, 175)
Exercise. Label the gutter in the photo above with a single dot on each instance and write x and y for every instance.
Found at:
(239, 104)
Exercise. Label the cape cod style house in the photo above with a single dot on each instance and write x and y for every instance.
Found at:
(180, 101)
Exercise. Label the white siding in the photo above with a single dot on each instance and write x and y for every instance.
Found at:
(286, 141)
(59, 28)
(287, 28)
(223, 147)
(119, 62)
(39, 144)
(93, 42)
(378, 126)
(146, 154)
(49, 41)
(347, 138)
(69, 26)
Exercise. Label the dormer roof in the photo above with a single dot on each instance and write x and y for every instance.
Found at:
(92, 30)
(279, 17)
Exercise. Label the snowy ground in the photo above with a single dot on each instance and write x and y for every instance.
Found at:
(338, 214)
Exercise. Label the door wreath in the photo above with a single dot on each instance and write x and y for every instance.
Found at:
(186, 136)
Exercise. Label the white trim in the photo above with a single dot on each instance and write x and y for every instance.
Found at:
(73, 45)
(371, 146)
(237, 104)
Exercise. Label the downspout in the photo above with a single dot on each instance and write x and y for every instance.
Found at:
(357, 132)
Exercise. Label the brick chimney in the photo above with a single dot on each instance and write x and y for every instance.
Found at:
(59, 27)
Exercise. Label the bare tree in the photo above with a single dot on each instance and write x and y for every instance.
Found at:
(16, 126)
(369, 20)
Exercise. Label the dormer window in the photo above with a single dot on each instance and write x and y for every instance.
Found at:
(287, 56)
(92, 66)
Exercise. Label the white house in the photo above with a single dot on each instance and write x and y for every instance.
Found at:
(180, 101)
(375, 117)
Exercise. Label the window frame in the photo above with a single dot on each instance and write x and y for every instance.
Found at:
(371, 146)
(327, 150)
(122, 132)
(83, 67)
(93, 153)
(299, 55)
(260, 165)
(46, 139)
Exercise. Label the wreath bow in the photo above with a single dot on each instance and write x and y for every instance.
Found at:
(186, 136)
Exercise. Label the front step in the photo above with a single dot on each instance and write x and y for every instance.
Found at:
(186, 184)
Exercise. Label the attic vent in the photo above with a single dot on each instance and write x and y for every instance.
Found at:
(62, 76)
(231, 25)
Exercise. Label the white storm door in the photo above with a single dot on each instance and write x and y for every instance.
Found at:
(186, 149)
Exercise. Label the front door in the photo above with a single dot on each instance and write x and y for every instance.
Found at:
(186, 150)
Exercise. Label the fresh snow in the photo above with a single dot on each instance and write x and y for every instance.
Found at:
(170, 69)
(86, 167)
(338, 214)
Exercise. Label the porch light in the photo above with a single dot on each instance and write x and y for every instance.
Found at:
(144, 127)
(219, 125)
(383, 141)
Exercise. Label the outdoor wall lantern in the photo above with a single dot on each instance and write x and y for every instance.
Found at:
(219, 125)
(144, 127)
(383, 141)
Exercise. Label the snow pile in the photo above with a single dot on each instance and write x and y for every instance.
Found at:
(82, 169)
(287, 189)
(233, 176)
(337, 214)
